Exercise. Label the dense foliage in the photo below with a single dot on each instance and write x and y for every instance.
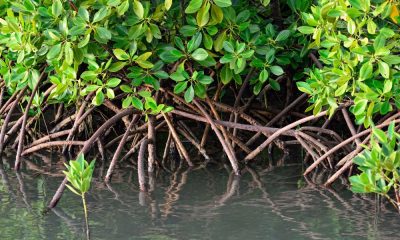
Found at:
(357, 41)
(130, 51)
(379, 165)
(135, 46)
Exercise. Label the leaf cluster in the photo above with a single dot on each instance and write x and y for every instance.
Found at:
(132, 48)
(357, 42)
(79, 175)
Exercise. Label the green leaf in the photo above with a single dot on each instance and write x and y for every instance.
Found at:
(91, 88)
(217, 15)
(56, 8)
(115, 67)
(226, 74)
(203, 15)
(387, 87)
(194, 6)
(223, 3)
(69, 54)
(360, 107)
(189, 94)
(306, 30)
(83, 13)
(195, 42)
(199, 54)
(277, 70)
(127, 102)
(275, 85)
(120, 54)
(102, 35)
(144, 64)
(177, 76)
(167, 4)
(72, 190)
(54, 51)
(113, 82)
(126, 88)
(227, 58)
(263, 75)
(206, 80)
(384, 69)
(100, 15)
(137, 103)
(161, 74)
(365, 71)
(180, 87)
(228, 46)
(208, 41)
(99, 99)
(88, 75)
(121, 9)
(341, 90)
(138, 9)
(304, 87)
(110, 93)
(391, 59)
(380, 135)
(283, 35)
(84, 41)
(171, 55)
(200, 90)
(351, 26)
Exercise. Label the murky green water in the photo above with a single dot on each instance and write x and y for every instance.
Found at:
(273, 203)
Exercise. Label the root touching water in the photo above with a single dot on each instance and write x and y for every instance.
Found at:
(82, 128)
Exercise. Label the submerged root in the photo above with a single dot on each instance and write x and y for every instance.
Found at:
(232, 126)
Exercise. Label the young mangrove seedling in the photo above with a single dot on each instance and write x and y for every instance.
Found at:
(79, 175)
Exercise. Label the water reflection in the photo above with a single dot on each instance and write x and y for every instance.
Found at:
(274, 202)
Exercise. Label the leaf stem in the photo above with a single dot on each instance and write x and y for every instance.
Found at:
(86, 214)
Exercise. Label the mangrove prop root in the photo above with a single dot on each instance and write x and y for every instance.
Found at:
(102, 151)
(260, 148)
(8, 117)
(141, 173)
(119, 148)
(240, 93)
(25, 119)
(223, 130)
(49, 138)
(104, 127)
(9, 101)
(79, 118)
(350, 125)
(136, 143)
(151, 144)
(342, 144)
(167, 148)
(115, 109)
(51, 144)
(278, 117)
(194, 142)
(232, 157)
(246, 127)
(177, 140)
(87, 145)
(1, 96)
(12, 131)
(58, 194)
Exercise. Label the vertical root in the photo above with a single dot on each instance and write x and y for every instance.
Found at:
(141, 174)
(177, 140)
(151, 133)
(119, 148)
(25, 119)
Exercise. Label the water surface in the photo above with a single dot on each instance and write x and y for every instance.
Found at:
(271, 203)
